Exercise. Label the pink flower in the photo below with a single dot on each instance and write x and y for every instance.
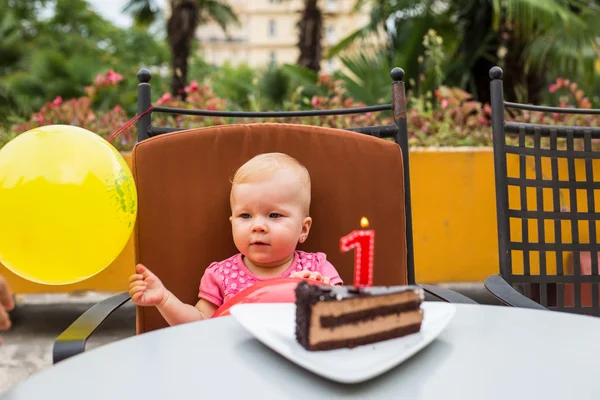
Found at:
(444, 104)
(117, 108)
(110, 78)
(113, 78)
(192, 88)
(552, 88)
(57, 101)
(164, 98)
(99, 81)
(315, 101)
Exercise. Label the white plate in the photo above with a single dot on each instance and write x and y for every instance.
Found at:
(274, 325)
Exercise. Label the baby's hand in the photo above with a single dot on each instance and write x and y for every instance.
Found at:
(145, 288)
(316, 276)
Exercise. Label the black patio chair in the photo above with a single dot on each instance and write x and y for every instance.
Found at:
(167, 162)
(558, 272)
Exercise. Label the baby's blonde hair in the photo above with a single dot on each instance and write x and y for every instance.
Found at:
(266, 164)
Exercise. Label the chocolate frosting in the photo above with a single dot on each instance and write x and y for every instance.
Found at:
(333, 293)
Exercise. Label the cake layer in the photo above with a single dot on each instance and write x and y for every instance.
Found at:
(368, 339)
(345, 316)
(359, 329)
(328, 321)
(333, 313)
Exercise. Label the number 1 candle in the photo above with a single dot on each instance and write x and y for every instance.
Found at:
(363, 241)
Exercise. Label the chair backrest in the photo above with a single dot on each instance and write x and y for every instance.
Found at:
(183, 183)
(546, 203)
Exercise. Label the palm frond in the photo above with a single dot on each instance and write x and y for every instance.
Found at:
(368, 77)
(359, 4)
(530, 16)
(301, 75)
(343, 44)
(219, 12)
(568, 54)
(144, 12)
(381, 11)
(565, 47)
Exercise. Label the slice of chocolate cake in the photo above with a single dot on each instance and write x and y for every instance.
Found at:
(333, 317)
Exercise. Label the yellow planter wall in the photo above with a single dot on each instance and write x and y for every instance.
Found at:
(454, 214)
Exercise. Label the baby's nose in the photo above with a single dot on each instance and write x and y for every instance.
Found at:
(259, 226)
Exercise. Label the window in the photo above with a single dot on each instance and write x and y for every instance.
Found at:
(330, 66)
(331, 5)
(330, 35)
(272, 59)
(272, 28)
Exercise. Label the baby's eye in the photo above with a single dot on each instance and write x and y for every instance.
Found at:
(245, 215)
(274, 215)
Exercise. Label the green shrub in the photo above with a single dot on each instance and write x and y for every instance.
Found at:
(446, 117)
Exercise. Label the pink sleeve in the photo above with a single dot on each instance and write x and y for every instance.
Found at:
(210, 288)
(328, 270)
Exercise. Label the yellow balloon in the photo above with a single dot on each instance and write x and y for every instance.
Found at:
(68, 202)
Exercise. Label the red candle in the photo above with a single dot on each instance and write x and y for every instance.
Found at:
(363, 240)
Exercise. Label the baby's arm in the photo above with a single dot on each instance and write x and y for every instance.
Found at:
(177, 312)
(146, 289)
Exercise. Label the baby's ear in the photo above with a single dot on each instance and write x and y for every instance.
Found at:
(231, 218)
(306, 224)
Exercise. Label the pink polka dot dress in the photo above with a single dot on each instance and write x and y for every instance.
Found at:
(224, 279)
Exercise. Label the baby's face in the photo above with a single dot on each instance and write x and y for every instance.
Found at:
(268, 217)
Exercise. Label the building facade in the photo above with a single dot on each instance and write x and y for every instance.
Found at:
(268, 32)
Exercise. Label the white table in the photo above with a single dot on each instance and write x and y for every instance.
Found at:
(486, 352)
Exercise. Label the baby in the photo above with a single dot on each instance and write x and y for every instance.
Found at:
(270, 201)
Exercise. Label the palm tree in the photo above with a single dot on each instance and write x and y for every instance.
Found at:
(310, 43)
(526, 37)
(186, 16)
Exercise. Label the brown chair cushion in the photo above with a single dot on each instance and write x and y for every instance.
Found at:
(183, 183)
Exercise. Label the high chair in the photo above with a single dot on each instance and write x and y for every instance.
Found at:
(183, 184)
(546, 207)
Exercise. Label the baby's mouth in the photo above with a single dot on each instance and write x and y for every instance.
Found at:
(259, 243)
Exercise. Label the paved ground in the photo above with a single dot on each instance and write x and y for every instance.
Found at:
(39, 319)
